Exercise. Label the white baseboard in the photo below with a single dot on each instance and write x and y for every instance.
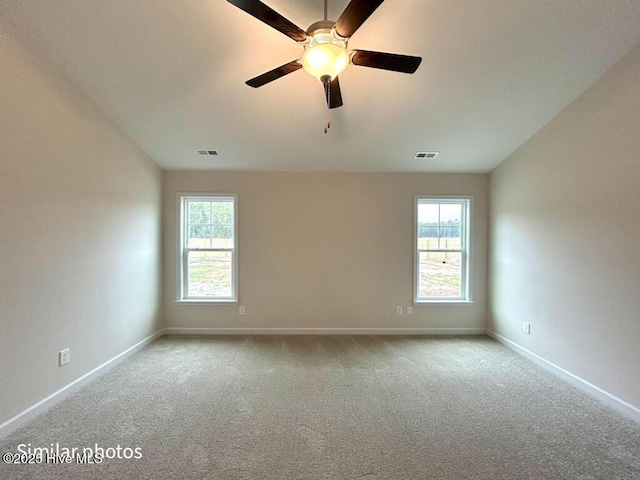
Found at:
(33, 411)
(618, 404)
(323, 331)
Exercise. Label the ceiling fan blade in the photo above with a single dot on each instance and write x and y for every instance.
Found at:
(333, 94)
(355, 15)
(272, 18)
(274, 74)
(386, 61)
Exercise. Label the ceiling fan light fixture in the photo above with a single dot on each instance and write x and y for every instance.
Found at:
(325, 59)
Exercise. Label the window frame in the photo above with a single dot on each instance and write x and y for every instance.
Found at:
(465, 251)
(183, 250)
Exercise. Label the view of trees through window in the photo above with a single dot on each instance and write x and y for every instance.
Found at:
(210, 224)
(440, 244)
(210, 242)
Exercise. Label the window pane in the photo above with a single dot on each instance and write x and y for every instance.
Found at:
(199, 213)
(427, 225)
(429, 237)
(450, 238)
(222, 236)
(199, 236)
(199, 224)
(210, 224)
(439, 274)
(450, 213)
(210, 274)
(428, 213)
(222, 212)
(222, 233)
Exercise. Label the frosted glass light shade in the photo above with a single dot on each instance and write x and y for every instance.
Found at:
(325, 59)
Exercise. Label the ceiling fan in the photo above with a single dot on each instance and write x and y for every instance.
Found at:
(325, 46)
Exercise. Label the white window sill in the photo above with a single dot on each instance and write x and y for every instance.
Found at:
(444, 302)
(206, 302)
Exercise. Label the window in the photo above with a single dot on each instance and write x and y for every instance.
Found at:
(208, 257)
(442, 249)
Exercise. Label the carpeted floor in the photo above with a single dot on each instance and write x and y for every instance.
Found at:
(339, 407)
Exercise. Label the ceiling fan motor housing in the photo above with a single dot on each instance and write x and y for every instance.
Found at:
(325, 53)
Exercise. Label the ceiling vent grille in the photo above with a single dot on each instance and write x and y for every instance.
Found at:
(421, 155)
(207, 153)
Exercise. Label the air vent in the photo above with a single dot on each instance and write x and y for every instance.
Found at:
(421, 155)
(207, 153)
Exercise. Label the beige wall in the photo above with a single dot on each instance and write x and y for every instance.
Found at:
(323, 250)
(79, 232)
(565, 221)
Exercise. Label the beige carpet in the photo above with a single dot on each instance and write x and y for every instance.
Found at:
(371, 408)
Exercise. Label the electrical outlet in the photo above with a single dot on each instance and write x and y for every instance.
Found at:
(241, 310)
(63, 357)
(526, 328)
(398, 310)
(409, 310)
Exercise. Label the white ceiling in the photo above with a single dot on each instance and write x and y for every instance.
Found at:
(171, 74)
